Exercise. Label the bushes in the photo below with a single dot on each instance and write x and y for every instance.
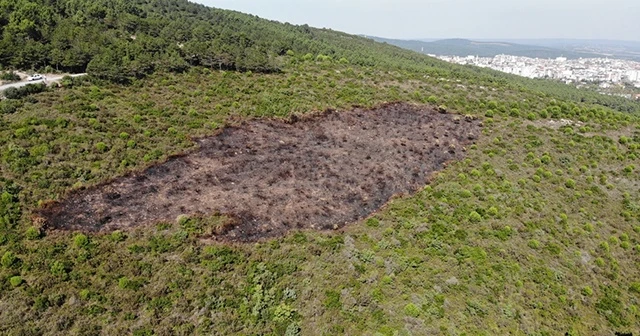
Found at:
(32, 233)
(475, 217)
(9, 76)
(21, 92)
(80, 240)
(8, 259)
(412, 310)
(9, 106)
(15, 281)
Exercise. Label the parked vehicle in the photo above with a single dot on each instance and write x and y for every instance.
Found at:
(35, 77)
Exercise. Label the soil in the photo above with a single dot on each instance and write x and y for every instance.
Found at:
(319, 172)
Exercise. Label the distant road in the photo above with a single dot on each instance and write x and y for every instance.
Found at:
(50, 79)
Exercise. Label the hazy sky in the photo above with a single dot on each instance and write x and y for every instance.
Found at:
(588, 19)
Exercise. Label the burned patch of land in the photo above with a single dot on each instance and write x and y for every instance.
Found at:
(320, 172)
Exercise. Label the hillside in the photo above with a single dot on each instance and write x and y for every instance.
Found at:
(516, 207)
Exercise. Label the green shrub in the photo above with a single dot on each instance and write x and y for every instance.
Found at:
(475, 217)
(283, 312)
(9, 106)
(546, 159)
(117, 236)
(587, 291)
(9, 76)
(85, 294)
(8, 259)
(101, 147)
(372, 222)
(534, 244)
(492, 211)
(80, 240)
(465, 193)
(293, 329)
(15, 281)
(570, 184)
(412, 310)
(29, 89)
(332, 300)
(59, 269)
(564, 218)
(32, 233)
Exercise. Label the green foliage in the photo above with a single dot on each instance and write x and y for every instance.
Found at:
(33, 233)
(332, 300)
(8, 259)
(129, 284)
(9, 76)
(15, 281)
(412, 310)
(9, 106)
(24, 91)
(475, 217)
(373, 222)
(80, 240)
(611, 307)
(101, 147)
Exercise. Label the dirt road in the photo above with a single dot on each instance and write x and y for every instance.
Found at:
(49, 80)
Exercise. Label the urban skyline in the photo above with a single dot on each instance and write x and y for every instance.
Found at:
(605, 72)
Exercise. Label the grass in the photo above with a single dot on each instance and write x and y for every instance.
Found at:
(484, 249)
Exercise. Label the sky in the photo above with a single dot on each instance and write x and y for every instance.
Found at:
(473, 19)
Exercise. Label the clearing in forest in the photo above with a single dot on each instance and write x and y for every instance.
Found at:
(271, 176)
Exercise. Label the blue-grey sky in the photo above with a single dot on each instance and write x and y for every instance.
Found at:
(509, 19)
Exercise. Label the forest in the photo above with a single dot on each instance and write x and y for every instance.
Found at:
(120, 41)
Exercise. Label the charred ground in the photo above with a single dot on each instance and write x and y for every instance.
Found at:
(320, 172)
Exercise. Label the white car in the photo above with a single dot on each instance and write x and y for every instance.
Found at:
(35, 77)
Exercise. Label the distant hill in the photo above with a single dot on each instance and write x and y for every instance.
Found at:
(463, 47)
(610, 48)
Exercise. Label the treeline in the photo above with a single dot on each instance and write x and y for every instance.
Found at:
(122, 39)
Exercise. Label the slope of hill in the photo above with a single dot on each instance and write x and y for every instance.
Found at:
(463, 47)
(536, 231)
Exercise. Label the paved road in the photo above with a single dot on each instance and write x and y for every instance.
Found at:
(50, 79)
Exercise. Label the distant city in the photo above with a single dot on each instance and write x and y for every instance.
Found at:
(606, 73)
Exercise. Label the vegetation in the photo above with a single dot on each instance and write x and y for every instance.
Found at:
(536, 232)
(9, 76)
(21, 92)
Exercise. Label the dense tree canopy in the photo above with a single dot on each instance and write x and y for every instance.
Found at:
(121, 40)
